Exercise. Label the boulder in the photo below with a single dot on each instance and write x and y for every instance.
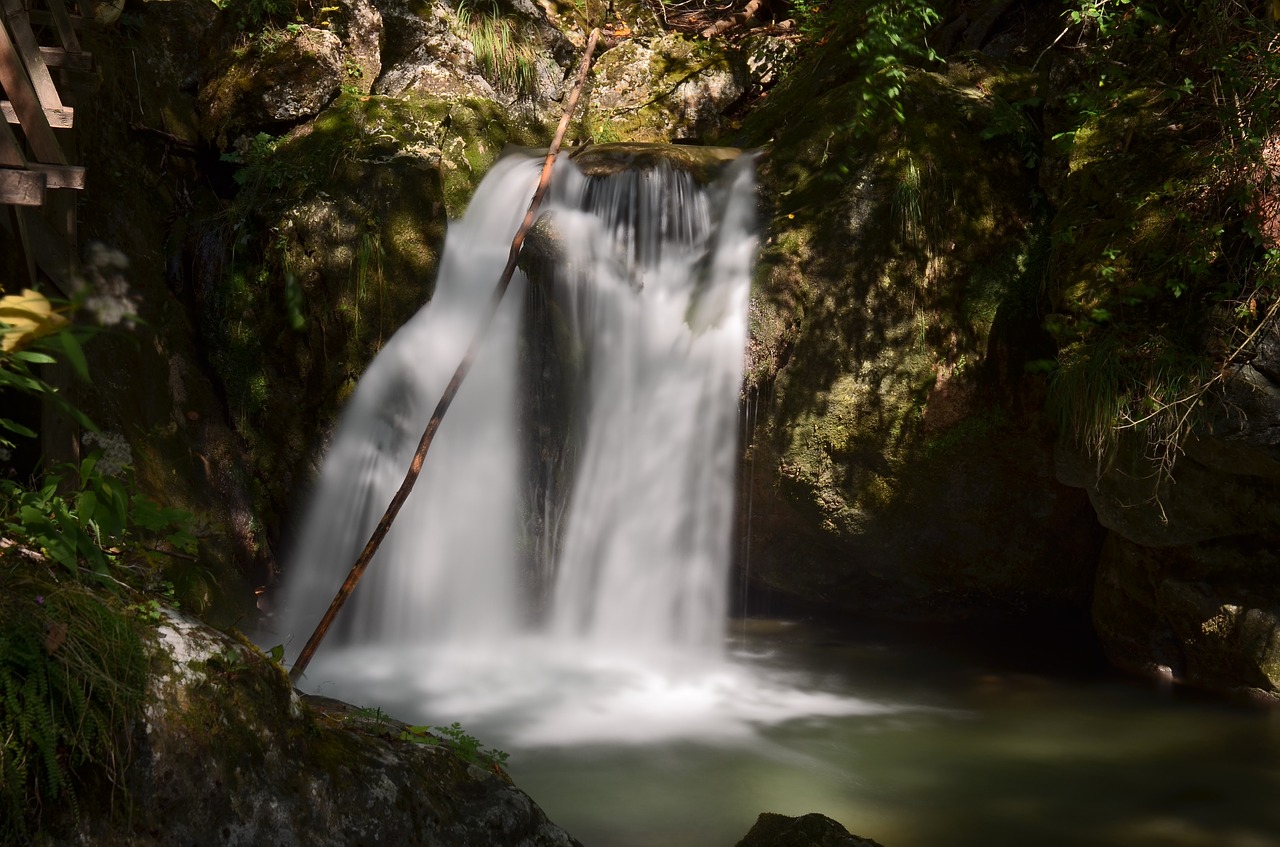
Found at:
(900, 465)
(666, 88)
(274, 82)
(1186, 586)
(228, 754)
(510, 53)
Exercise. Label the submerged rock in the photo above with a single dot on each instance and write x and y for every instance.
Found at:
(229, 755)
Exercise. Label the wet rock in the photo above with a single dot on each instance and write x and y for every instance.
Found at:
(704, 163)
(811, 830)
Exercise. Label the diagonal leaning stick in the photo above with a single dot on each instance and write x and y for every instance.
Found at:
(415, 467)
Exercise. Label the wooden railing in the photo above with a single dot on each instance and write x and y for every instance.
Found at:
(37, 180)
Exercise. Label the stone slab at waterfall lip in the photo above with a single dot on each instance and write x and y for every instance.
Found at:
(704, 163)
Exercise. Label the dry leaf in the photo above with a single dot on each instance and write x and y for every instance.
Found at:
(54, 637)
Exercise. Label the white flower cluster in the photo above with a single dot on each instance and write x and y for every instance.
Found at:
(116, 454)
(109, 301)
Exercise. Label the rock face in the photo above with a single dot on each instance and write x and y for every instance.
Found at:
(1186, 586)
(899, 464)
(151, 385)
(228, 755)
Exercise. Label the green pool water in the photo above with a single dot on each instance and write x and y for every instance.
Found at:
(973, 749)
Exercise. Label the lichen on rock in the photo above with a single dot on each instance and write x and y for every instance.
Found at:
(663, 89)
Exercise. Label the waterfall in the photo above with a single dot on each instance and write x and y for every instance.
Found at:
(601, 528)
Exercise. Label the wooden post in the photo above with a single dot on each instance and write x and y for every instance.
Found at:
(415, 467)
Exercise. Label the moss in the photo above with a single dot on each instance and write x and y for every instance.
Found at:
(896, 302)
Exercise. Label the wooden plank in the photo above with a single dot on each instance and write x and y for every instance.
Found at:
(63, 117)
(56, 57)
(21, 188)
(29, 49)
(61, 176)
(62, 21)
(26, 104)
(10, 150)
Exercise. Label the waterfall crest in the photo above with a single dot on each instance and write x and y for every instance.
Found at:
(649, 296)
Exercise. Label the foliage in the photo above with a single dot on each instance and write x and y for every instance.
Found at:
(31, 328)
(78, 515)
(254, 15)
(77, 545)
(456, 739)
(1163, 271)
(500, 52)
(882, 37)
(72, 675)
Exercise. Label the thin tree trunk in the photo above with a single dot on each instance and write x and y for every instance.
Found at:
(415, 467)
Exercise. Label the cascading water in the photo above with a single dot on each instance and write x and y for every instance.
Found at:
(620, 494)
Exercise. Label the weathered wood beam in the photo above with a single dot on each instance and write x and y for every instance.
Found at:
(63, 117)
(21, 187)
(29, 50)
(27, 104)
(62, 21)
(15, 222)
(56, 57)
(11, 154)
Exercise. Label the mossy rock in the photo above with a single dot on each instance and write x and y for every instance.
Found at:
(662, 89)
(703, 163)
(226, 753)
(893, 315)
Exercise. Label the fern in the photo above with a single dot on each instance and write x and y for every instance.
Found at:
(72, 671)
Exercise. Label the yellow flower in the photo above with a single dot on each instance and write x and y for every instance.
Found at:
(26, 317)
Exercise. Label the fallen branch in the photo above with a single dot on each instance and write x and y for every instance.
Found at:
(723, 25)
(415, 467)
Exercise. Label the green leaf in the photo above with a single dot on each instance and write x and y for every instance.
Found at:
(86, 505)
(75, 354)
(184, 541)
(88, 463)
(33, 357)
(14, 426)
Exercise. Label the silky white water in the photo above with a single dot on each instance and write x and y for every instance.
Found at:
(652, 278)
